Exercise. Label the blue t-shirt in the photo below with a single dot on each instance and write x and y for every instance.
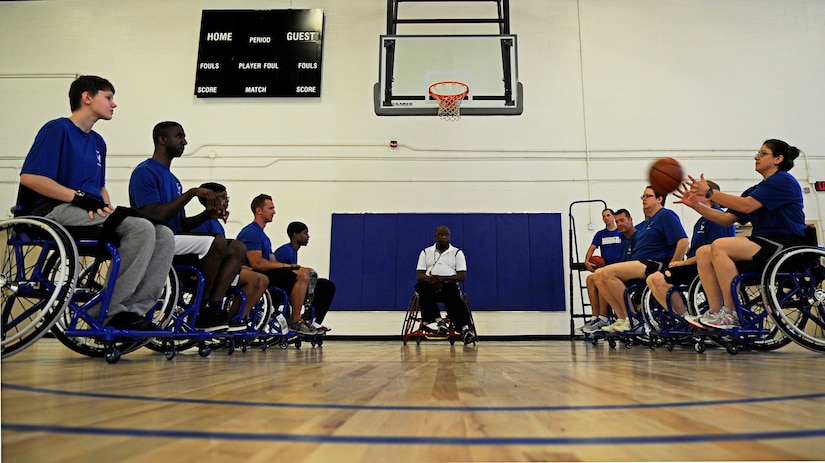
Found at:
(627, 247)
(69, 156)
(706, 232)
(781, 214)
(658, 236)
(211, 226)
(286, 254)
(609, 243)
(151, 183)
(255, 239)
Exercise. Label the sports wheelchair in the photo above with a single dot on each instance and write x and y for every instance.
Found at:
(282, 312)
(56, 281)
(668, 328)
(413, 329)
(783, 301)
(637, 334)
(267, 323)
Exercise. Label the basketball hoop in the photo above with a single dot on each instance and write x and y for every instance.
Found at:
(449, 96)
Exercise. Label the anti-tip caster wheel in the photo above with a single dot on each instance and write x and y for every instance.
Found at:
(112, 355)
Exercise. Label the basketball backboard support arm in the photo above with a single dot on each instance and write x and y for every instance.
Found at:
(408, 65)
(502, 6)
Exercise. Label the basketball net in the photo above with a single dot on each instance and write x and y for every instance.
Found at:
(449, 96)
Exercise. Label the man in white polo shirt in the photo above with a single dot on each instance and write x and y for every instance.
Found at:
(440, 268)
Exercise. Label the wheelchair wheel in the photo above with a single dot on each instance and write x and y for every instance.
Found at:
(639, 329)
(259, 318)
(697, 304)
(651, 311)
(32, 298)
(94, 274)
(410, 320)
(750, 298)
(189, 290)
(794, 293)
(470, 315)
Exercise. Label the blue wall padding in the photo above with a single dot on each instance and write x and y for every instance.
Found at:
(514, 261)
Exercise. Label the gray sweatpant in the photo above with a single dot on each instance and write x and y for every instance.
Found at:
(146, 252)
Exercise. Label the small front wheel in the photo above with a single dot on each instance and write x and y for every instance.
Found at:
(112, 355)
(699, 347)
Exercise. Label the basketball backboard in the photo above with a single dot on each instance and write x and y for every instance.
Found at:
(409, 64)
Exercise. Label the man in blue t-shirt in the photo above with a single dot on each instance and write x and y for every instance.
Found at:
(213, 226)
(298, 234)
(292, 278)
(66, 170)
(251, 283)
(608, 240)
(157, 192)
(660, 239)
(599, 307)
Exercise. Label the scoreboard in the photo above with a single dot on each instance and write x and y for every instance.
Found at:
(260, 53)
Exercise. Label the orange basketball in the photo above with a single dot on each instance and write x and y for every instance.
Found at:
(665, 175)
(597, 261)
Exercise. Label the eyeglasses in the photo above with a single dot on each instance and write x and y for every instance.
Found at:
(762, 154)
(644, 197)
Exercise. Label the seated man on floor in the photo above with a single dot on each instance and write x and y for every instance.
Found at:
(440, 268)
(298, 234)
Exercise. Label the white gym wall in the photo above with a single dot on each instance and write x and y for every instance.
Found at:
(609, 86)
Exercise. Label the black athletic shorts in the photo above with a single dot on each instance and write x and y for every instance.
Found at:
(653, 266)
(283, 278)
(681, 275)
(770, 245)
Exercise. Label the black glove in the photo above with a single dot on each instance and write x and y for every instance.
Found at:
(89, 203)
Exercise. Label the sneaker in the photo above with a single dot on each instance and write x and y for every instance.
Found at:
(302, 328)
(209, 320)
(468, 336)
(581, 328)
(131, 321)
(439, 326)
(443, 327)
(724, 319)
(236, 325)
(619, 326)
(593, 325)
(320, 328)
(431, 327)
(693, 320)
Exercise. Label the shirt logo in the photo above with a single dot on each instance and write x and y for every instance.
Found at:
(99, 162)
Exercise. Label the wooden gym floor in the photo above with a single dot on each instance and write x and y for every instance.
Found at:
(379, 401)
